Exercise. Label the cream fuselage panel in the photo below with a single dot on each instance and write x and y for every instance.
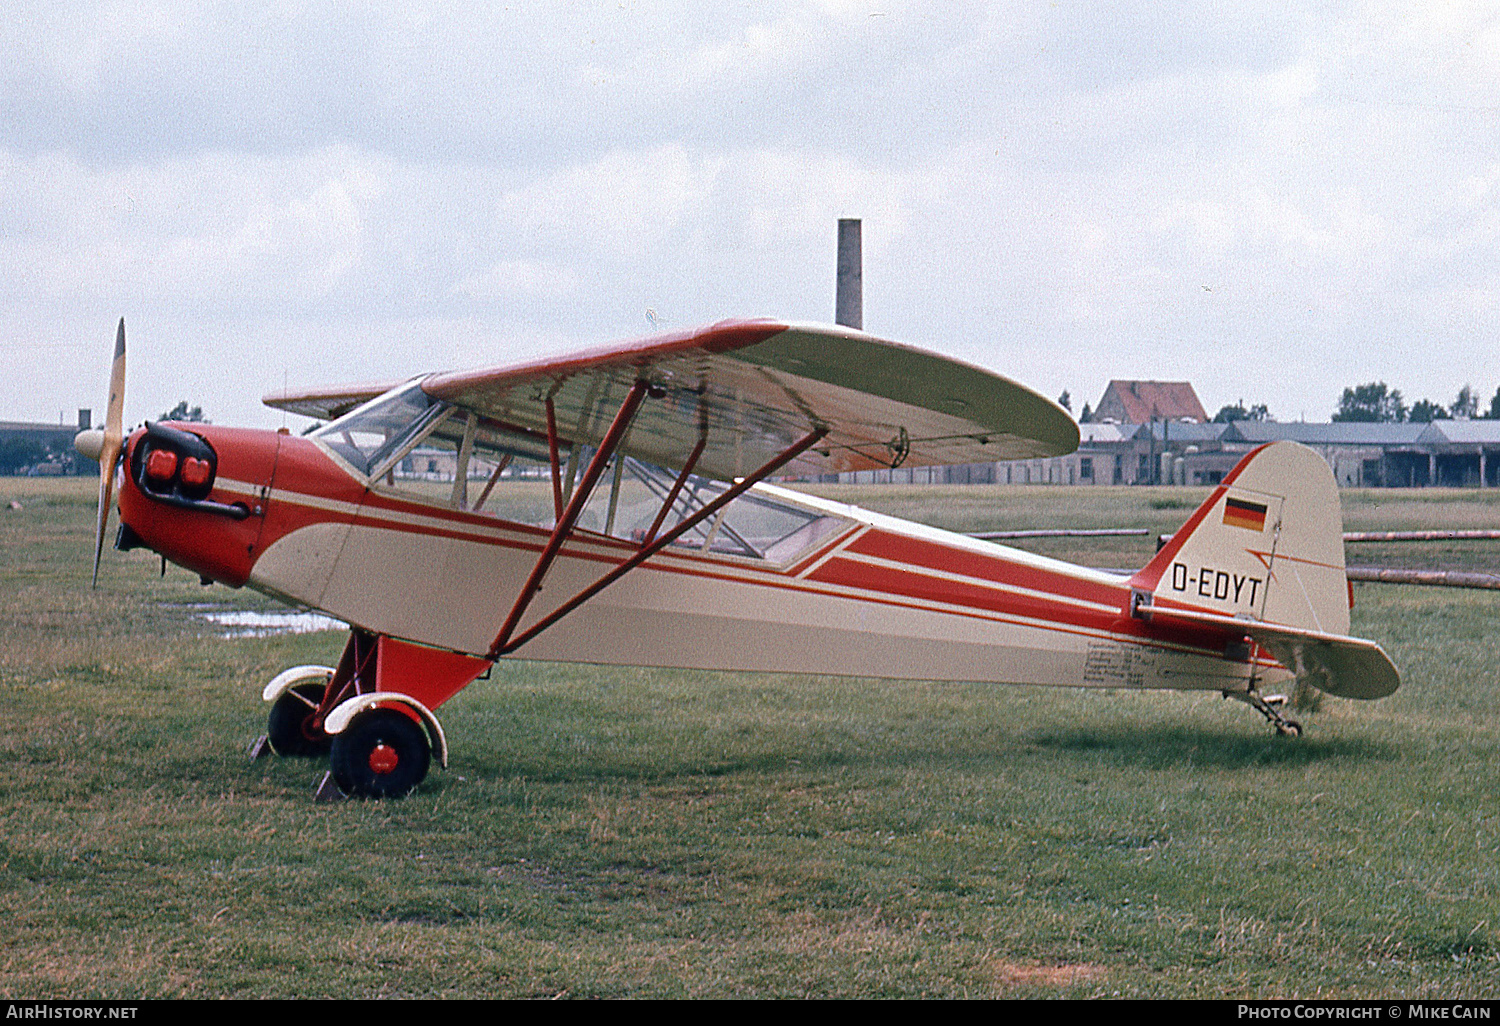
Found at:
(693, 611)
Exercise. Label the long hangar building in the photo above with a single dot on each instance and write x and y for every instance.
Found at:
(1156, 432)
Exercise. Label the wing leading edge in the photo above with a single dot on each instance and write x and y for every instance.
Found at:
(749, 389)
(327, 403)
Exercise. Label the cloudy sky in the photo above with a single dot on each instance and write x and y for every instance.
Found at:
(1273, 201)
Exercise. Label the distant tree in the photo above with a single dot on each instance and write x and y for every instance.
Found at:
(1371, 404)
(1425, 412)
(1494, 413)
(184, 412)
(1065, 401)
(1230, 414)
(1087, 416)
(1466, 406)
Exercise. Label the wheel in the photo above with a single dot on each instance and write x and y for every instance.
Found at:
(290, 727)
(381, 754)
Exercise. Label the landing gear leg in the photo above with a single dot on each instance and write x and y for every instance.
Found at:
(1268, 706)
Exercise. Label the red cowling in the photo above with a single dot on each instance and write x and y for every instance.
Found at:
(218, 534)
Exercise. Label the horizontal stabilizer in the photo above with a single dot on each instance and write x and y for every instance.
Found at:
(1340, 665)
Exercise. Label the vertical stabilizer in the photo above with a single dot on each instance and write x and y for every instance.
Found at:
(1266, 545)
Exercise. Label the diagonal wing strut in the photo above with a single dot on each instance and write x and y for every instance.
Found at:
(507, 641)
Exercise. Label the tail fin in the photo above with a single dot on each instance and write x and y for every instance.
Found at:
(1267, 545)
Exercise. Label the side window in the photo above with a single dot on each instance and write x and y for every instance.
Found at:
(629, 500)
(409, 444)
(367, 436)
(469, 462)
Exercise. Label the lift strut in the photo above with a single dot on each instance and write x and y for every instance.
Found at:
(507, 641)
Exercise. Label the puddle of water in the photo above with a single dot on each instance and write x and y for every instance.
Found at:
(241, 623)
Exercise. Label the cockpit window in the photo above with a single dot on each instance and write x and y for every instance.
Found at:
(753, 525)
(409, 443)
(366, 434)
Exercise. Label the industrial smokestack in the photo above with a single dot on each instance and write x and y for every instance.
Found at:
(848, 307)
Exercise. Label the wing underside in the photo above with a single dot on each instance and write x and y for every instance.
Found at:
(327, 403)
(748, 390)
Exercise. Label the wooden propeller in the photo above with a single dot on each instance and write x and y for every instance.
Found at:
(105, 445)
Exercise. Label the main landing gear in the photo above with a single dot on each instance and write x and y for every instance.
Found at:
(1270, 707)
(371, 715)
(381, 754)
(294, 727)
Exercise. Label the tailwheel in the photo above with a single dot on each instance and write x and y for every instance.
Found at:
(1269, 706)
(294, 727)
(382, 753)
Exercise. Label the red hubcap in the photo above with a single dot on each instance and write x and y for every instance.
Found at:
(383, 758)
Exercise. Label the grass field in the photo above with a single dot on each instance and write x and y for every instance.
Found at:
(624, 833)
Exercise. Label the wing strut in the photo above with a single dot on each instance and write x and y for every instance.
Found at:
(580, 497)
(666, 506)
(557, 503)
(504, 644)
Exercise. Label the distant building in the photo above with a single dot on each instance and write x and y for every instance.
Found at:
(1361, 455)
(1447, 453)
(1460, 453)
(1141, 402)
(43, 449)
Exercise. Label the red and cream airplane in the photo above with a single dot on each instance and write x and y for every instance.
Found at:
(613, 507)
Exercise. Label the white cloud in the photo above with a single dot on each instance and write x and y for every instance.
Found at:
(622, 204)
(508, 280)
(201, 233)
(1282, 200)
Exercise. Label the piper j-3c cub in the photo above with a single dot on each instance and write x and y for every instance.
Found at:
(632, 481)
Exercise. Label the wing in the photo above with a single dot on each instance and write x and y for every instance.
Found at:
(750, 389)
(328, 403)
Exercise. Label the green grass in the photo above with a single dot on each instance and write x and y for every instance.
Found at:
(612, 832)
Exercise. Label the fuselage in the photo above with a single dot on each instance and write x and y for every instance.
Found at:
(862, 594)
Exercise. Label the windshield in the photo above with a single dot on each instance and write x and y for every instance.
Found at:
(367, 433)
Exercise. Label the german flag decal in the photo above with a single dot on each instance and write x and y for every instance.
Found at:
(1241, 513)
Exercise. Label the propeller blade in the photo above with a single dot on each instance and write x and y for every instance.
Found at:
(106, 486)
(115, 414)
(109, 451)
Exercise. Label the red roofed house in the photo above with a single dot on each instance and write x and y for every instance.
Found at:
(1140, 402)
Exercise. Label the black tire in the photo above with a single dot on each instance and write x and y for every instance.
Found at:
(381, 754)
(290, 726)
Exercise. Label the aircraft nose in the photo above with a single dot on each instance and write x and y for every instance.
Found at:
(89, 443)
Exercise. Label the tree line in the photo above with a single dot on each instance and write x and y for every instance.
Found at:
(1375, 403)
(1372, 403)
